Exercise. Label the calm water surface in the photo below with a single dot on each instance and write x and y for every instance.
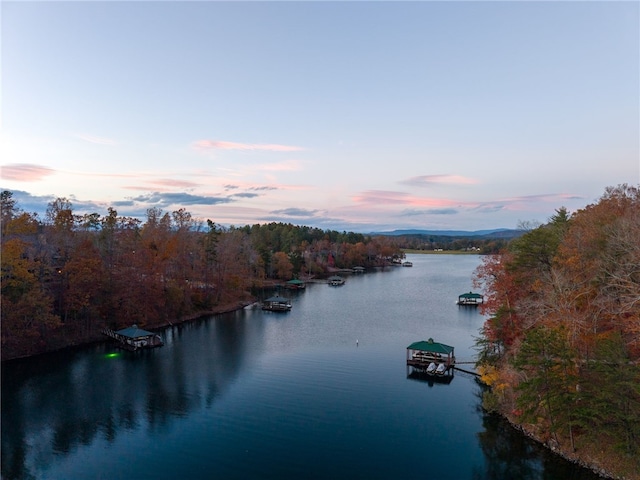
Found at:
(319, 392)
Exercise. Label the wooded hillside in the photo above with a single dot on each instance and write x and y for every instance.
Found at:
(561, 347)
(66, 277)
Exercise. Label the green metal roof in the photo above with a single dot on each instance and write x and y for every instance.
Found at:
(134, 332)
(431, 346)
(470, 295)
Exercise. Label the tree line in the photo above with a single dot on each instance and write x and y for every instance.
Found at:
(68, 276)
(561, 346)
(431, 242)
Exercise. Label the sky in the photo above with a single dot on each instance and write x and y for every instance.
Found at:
(358, 116)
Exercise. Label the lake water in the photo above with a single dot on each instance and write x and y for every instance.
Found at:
(320, 392)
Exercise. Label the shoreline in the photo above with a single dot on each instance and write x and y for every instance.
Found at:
(220, 310)
(572, 457)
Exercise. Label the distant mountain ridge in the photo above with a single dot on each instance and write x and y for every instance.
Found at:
(495, 233)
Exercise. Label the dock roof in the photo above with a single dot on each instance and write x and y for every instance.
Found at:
(470, 295)
(134, 332)
(431, 346)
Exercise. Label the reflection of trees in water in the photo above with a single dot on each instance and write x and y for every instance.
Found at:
(54, 404)
(509, 454)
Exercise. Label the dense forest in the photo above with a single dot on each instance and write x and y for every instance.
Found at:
(483, 244)
(561, 346)
(68, 276)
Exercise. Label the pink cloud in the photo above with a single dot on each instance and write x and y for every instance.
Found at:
(25, 172)
(221, 145)
(382, 197)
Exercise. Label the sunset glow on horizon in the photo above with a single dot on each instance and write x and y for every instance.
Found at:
(357, 116)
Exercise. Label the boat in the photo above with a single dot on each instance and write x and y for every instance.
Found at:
(431, 369)
(441, 369)
(407, 264)
(277, 304)
(335, 281)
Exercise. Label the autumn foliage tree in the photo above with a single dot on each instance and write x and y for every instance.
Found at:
(66, 278)
(27, 307)
(563, 306)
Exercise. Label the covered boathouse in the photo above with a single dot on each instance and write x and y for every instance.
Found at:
(133, 338)
(470, 299)
(277, 304)
(431, 357)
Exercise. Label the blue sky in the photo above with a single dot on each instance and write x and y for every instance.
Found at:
(358, 116)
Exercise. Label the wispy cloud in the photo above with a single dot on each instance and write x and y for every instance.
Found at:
(25, 172)
(546, 197)
(491, 207)
(245, 195)
(165, 199)
(94, 139)
(428, 180)
(248, 189)
(223, 145)
(168, 182)
(295, 212)
(385, 197)
(429, 211)
(381, 196)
